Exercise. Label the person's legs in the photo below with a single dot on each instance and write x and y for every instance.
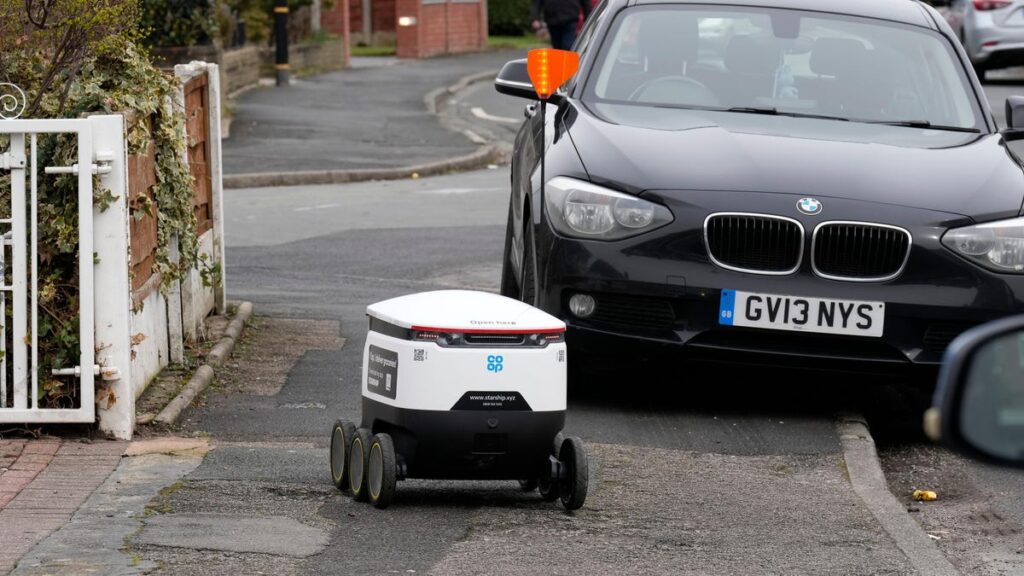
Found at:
(568, 36)
(556, 31)
(562, 35)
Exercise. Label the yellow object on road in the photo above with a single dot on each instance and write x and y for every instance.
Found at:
(925, 495)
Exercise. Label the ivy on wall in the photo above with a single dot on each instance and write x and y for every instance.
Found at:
(113, 75)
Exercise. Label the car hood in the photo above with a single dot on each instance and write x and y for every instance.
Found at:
(637, 149)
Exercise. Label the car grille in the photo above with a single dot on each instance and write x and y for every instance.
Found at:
(621, 310)
(859, 252)
(754, 243)
(939, 336)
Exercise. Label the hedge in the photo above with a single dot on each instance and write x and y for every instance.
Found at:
(508, 17)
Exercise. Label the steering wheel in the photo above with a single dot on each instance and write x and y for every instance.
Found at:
(674, 90)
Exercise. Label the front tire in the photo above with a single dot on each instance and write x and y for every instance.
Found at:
(573, 488)
(528, 290)
(382, 472)
(509, 286)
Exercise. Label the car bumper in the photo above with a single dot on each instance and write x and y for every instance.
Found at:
(996, 46)
(1000, 55)
(660, 292)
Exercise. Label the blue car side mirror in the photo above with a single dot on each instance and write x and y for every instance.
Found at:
(978, 409)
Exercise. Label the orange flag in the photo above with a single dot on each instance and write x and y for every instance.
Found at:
(550, 68)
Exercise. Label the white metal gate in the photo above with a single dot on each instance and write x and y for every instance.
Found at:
(19, 261)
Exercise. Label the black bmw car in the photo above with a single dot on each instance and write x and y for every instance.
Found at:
(782, 180)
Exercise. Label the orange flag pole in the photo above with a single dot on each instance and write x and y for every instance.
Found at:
(549, 69)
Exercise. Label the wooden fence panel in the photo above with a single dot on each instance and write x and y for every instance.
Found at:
(197, 106)
(141, 180)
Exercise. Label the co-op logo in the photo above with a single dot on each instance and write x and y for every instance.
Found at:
(495, 363)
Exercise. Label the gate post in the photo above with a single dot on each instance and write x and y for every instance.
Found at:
(112, 294)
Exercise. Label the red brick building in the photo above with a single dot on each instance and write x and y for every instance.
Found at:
(421, 28)
(336, 21)
(380, 30)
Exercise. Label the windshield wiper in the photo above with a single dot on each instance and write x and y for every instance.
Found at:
(922, 124)
(776, 112)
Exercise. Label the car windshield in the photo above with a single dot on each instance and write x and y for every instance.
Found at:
(785, 62)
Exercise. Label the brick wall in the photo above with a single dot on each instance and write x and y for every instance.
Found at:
(383, 25)
(337, 21)
(442, 27)
(240, 68)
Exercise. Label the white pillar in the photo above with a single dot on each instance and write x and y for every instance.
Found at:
(175, 335)
(112, 281)
(217, 178)
(314, 16)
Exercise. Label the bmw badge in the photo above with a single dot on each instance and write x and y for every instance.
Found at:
(809, 206)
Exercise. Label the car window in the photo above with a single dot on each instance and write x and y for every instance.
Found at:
(792, 61)
(589, 27)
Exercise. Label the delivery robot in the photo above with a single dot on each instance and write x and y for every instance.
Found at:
(461, 385)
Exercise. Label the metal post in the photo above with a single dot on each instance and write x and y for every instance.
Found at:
(86, 266)
(3, 320)
(20, 293)
(368, 22)
(33, 203)
(281, 37)
(543, 148)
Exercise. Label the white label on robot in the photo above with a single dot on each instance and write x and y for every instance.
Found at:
(491, 401)
(382, 372)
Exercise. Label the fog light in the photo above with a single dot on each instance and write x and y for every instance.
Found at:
(582, 305)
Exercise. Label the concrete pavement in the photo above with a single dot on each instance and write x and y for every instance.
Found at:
(370, 117)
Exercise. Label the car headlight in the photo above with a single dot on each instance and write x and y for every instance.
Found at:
(582, 210)
(998, 246)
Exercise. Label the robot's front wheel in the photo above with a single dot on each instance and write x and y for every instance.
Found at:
(573, 484)
(382, 472)
(341, 438)
(358, 452)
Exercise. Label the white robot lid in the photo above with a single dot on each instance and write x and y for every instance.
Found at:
(464, 311)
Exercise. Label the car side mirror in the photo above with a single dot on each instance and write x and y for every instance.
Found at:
(978, 408)
(1015, 112)
(514, 80)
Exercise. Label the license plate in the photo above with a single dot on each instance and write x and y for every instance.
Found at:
(801, 314)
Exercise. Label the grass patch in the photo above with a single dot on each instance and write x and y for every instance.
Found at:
(373, 51)
(318, 38)
(515, 42)
(161, 503)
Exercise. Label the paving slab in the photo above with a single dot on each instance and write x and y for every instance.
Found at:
(277, 535)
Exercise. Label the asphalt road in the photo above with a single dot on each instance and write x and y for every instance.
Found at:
(695, 471)
(717, 464)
